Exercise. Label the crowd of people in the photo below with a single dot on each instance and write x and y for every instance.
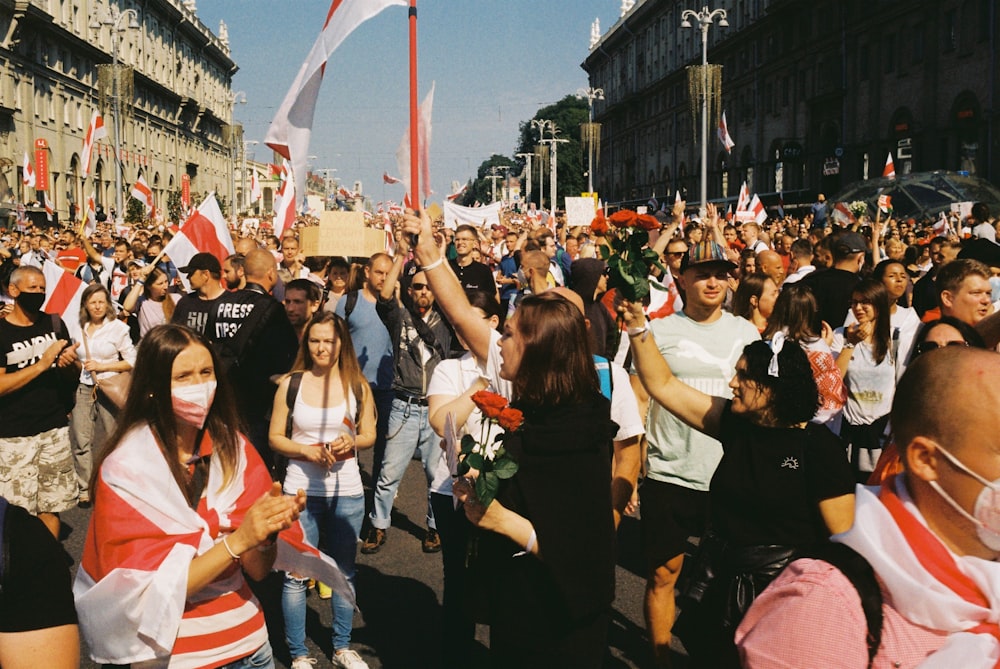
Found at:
(776, 413)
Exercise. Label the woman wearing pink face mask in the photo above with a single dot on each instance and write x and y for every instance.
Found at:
(183, 508)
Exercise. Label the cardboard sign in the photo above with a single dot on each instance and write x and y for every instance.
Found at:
(341, 233)
(580, 211)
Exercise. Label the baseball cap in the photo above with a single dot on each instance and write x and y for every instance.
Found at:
(850, 242)
(202, 261)
(705, 252)
(982, 250)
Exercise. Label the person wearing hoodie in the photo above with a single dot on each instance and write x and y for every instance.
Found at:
(589, 281)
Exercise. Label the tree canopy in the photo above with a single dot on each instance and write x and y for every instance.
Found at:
(567, 114)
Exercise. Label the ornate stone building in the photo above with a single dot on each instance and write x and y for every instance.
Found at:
(176, 100)
(816, 93)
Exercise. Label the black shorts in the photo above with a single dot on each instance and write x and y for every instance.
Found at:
(670, 514)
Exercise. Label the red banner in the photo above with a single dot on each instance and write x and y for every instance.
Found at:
(41, 164)
(186, 191)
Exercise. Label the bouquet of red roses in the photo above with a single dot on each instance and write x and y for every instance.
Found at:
(487, 455)
(627, 253)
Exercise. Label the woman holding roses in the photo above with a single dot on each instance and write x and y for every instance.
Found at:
(543, 568)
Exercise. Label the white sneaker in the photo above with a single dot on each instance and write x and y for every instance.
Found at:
(303, 663)
(348, 659)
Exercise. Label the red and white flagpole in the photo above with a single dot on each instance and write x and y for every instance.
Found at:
(414, 113)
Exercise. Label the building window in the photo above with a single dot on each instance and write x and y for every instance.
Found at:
(950, 28)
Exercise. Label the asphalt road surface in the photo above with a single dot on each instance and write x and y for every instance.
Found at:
(399, 595)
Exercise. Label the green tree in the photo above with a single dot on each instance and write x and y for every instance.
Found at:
(567, 114)
(135, 211)
(175, 211)
(481, 188)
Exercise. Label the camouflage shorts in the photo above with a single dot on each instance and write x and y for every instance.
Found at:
(37, 472)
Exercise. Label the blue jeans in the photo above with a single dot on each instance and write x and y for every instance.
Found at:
(261, 658)
(334, 525)
(409, 430)
(383, 407)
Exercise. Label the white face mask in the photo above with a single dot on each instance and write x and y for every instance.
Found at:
(986, 512)
(192, 403)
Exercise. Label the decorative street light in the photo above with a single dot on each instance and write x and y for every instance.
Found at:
(527, 157)
(235, 143)
(591, 134)
(243, 173)
(554, 167)
(542, 124)
(705, 18)
(114, 19)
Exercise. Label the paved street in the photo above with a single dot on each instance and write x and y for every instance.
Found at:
(399, 594)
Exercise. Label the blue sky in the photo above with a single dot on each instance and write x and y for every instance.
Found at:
(494, 63)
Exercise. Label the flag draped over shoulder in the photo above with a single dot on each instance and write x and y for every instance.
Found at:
(291, 128)
(95, 131)
(424, 139)
(62, 296)
(204, 232)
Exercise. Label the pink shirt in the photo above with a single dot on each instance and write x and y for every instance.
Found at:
(811, 616)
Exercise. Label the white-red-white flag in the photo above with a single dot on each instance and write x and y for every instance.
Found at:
(941, 226)
(143, 193)
(457, 194)
(390, 180)
(205, 231)
(743, 204)
(50, 208)
(28, 172)
(842, 215)
(62, 296)
(890, 168)
(255, 190)
(90, 216)
(677, 198)
(291, 128)
(662, 303)
(424, 139)
(284, 203)
(95, 131)
(724, 136)
(757, 210)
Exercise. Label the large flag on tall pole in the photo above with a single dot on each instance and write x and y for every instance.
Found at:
(291, 128)
(205, 232)
(404, 155)
(95, 131)
(284, 206)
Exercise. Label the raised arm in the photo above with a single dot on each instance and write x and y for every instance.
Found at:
(700, 411)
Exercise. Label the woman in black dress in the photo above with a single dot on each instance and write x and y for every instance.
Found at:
(783, 485)
(543, 571)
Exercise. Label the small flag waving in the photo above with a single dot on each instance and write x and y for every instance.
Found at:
(457, 194)
(50, 209)
(390, 180)
(284, 204)
(757, 211)
(890, 169)
(291, 128)
(743, 204)
(62, 296)
(424, 139)
(95, 131)
(255, 191)
(142, 193)
(90, 216)
(724, 136)
(205, 232)
(941, 227)
(28, 176)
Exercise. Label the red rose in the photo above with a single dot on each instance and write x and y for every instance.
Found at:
(599, 226)
(489, 403)
(623, 218)
(647, 222)
(511, 419)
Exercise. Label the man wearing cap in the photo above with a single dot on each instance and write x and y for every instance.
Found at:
(833, 287)
(195, 310)
(702, 344)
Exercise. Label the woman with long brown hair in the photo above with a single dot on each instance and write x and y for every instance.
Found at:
(320, 424)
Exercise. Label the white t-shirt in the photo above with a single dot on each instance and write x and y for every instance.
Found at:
(316, 425)
(904, 324)
(870, 385)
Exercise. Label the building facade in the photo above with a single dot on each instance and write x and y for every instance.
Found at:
(817, 93)
(176, 107)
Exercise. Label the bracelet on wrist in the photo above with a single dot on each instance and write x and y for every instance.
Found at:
(635, 332)
(225, 543)
(433, 265)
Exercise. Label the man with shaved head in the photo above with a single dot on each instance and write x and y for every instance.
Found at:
(769, 263)
(930, 534)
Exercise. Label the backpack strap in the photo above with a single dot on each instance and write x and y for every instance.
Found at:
(861, 575)
(350, 301)
(294, 381)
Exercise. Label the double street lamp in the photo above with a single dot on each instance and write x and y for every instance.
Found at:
(114, 18)
(704, 19)
(591, 94)
(542, 124)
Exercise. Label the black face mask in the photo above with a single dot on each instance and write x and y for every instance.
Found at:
(30, 303)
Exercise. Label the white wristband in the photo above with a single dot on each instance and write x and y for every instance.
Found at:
(531, 542)
(635, 332)
(436, 263)
(234, 556)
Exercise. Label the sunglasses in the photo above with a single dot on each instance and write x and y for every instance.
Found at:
(418, 286)
(925, 346)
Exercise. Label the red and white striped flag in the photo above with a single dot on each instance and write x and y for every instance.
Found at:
(662, 303)
(50, 209)
(757, 211)
(284, 203)
(205, 232)
(142, 192)
(743, 204)
(457, 194)
(291, 128)
(941, 227)
(62, 296)
(842, 215)
(424, 139)
(890, 169)
(90, 216)
(724, 136)
(255, 191)
(28, 173)
(390, 180)
(95, 131)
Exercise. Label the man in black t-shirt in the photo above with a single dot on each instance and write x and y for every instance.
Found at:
(38, 382)
(195, 310)
(471, 273)
(833, 287)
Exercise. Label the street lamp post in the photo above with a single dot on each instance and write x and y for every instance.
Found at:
(705, 18)
(238, 97)
(554, 167)
(243, 173)
(527, 157)
(591, 94)
(541, 124)
(114, 19)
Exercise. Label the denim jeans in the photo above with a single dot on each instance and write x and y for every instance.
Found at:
(409, 430)
(383, 407)
(334, 525)
(261, 658)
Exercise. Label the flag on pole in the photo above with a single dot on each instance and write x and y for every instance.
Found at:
(885, 203)
(390, 180)
(95, 131)
(890, 169)
(941, 227)
(28, 176)
(757, 211)
(284, 203)
(62, 296)
(724, 136)
(142, 192)
(90, 216)
(677, 198)
(743, 204)
(842, 215)
(291, 128)
(255, 191)
(205, 231)
(457, 194)
(424, 140)
(50, 209)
